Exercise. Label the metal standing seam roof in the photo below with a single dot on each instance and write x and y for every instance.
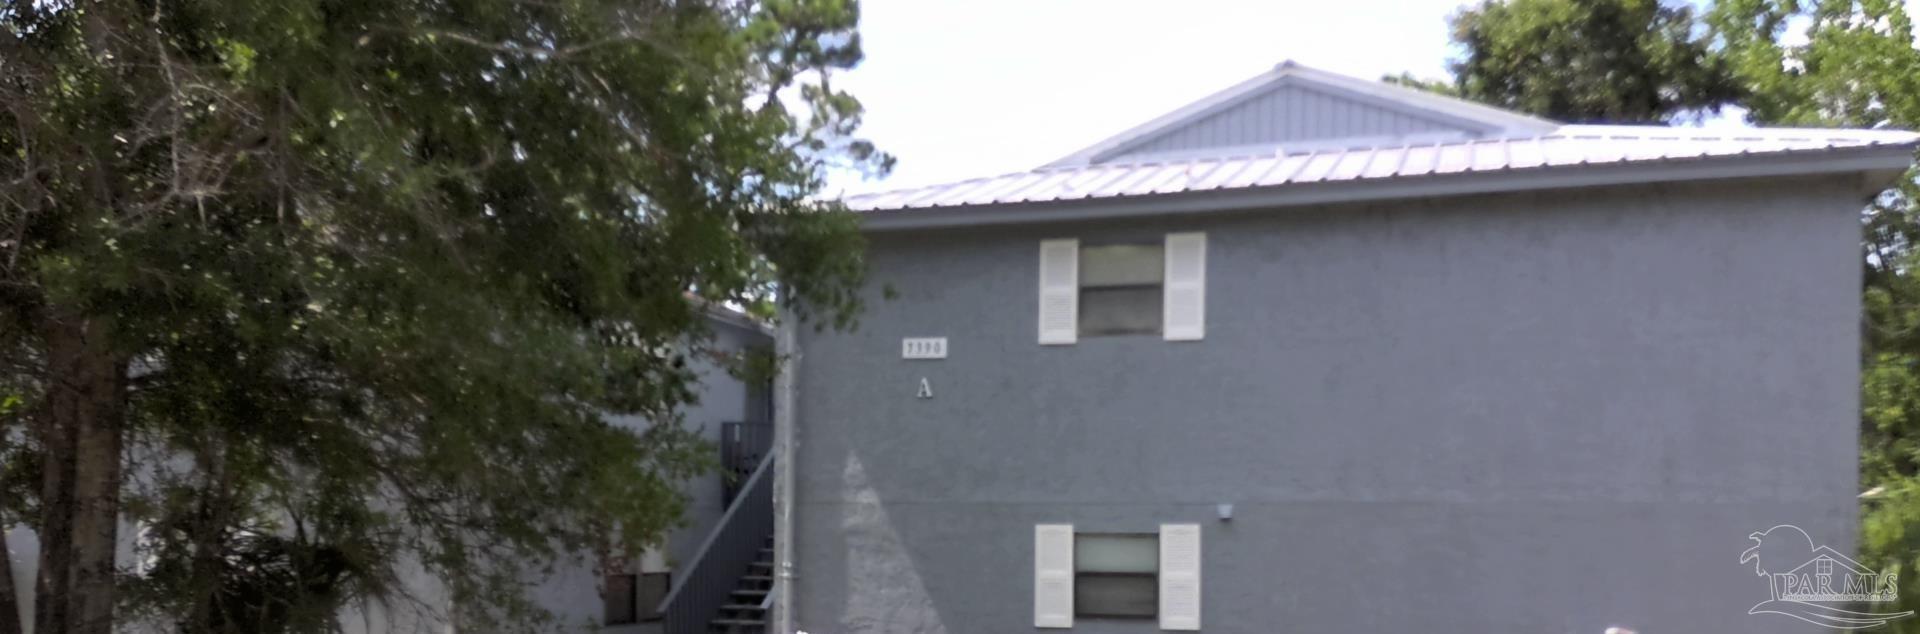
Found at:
(1568, 147)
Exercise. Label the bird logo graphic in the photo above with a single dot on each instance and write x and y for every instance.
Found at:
(1812, 582)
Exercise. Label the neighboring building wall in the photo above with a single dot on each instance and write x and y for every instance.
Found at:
(573, 592)
(1552, 412)
(723, 399)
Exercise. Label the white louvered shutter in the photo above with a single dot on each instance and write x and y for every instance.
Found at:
(1185, 316)
(1053, 575)
(1059, 291)
(1180, 576)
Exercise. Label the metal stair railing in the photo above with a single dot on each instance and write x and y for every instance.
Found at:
(715, 570)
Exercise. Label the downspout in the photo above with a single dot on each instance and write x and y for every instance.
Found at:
(787, 352)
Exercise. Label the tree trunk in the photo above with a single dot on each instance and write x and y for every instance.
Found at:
(82, 429)
(9, 607)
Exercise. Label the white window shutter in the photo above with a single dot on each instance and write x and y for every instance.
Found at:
(1185, 316)
(1059, 291)
(1053, 575)
(1180, 576)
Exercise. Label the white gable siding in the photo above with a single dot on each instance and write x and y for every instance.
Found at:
(1289, 114)
(1299, 107)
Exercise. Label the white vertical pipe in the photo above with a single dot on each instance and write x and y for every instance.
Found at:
(787, 350)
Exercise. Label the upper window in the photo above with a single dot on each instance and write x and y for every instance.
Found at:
(1116, 575)
(1151, 288)
(1823, 567)
(1121, 289)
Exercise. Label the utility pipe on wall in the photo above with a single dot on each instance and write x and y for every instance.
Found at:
(787, 353)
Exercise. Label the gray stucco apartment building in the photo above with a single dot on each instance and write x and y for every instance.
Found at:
(1317, 354)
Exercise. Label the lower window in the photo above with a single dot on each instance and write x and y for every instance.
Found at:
(634, 598)
(621, 601)
(1116, 575)
(653, 589)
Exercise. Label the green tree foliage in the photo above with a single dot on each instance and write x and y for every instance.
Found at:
(1410, 80)
(1590, 61)
(1856, 66)
(318, 289)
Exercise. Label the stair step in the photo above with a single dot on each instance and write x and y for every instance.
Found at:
(757, 578)
(761, 564)
(740, 622)
(743, 607)
(750, 593)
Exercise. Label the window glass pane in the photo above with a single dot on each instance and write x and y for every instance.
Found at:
(1116, 553)
(1120, 311)
(1121, 265)
(620, 600)
(1124, 595)
(653, 589)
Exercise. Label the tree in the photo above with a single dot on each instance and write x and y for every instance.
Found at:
(315, 287)
(1603, 61)
(1438, 86)
(1857, 68)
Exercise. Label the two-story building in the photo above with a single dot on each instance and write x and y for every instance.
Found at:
(1319, 354)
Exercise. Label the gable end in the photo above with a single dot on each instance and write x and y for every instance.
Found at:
(1293, 107)
(1290, 113)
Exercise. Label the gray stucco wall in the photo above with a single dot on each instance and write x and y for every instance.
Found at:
(723, 399)
(1551, 413)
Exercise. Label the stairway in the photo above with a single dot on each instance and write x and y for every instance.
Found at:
(746, 611)
(724, 587)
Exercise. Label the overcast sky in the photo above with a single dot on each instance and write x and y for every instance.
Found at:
(964, 88)
(960, 89)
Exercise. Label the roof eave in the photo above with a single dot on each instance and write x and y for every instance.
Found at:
(719, 313)
(1873, 162)
(742, 321)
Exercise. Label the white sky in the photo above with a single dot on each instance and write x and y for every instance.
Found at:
(959, 89)
(963, 88)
